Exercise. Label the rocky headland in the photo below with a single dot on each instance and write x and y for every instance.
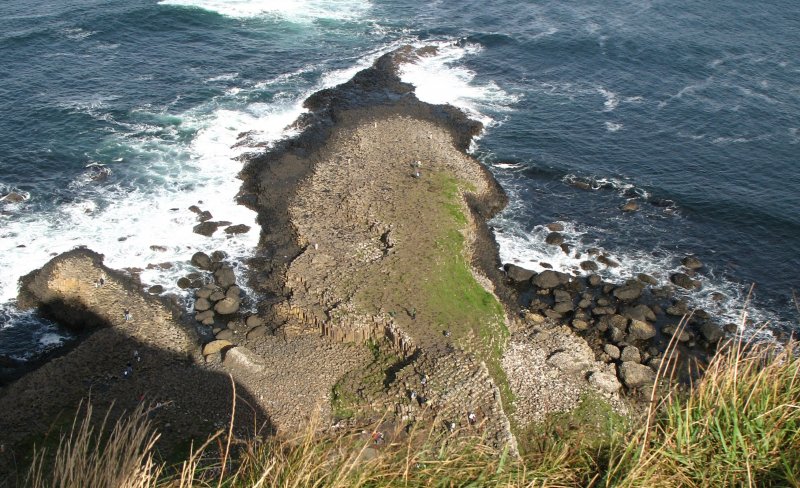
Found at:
(377, 295)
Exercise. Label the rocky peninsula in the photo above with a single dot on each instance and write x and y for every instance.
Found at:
(378, 295)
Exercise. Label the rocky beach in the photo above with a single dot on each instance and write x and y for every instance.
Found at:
(376, 293)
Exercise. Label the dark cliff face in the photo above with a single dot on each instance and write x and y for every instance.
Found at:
(270, 180)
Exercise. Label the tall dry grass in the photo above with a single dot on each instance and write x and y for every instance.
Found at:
(737, 426)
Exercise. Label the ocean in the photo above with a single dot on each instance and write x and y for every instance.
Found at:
(119, 115)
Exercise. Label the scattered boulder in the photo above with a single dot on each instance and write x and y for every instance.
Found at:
(242, 359)
(215, 346)
(628, 292)
(685, 281)
(568, 362)
(216, 296)
(555, 227)
(612, 351)
(227, 306)
(256, 332)
(670, 330)
(636, 375)
(204, 216)
(550, 279)
(554, 239)
(640, 312)
(225, 276)
(156, 289)
(711, 332)
(202, 261)
(218, 256)
(564, 307)
(203, 316)
(630, 354)
(518, 274)
(254, 321)
(691, 262)
(206, 291)
(579, 324)
(589, 265)
(604, 259)
(237, 229)
(604, 382)
(206, 228)
(13, 197)
(233, 292)
(640, 330)
(595, 280)
(630, 206)
(225, 335)
(202, 304)
(184, 282)
(646, 278)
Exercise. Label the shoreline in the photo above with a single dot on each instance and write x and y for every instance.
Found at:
(379, 289)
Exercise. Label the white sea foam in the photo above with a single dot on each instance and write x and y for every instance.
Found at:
(299, 11)
(441, 79)
(613, 127)
(612, 100)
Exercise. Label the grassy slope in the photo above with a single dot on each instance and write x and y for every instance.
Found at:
(737, 427)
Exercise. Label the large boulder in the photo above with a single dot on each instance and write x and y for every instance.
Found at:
(711, 332)
(554, 239)
(628, 292)
(225, 277)
(237, 229)
(550, 279)
(640, 330)
(685, 281)
(227, 306)
(202, 261)
(206, 228)
(604, 382)
(636, 375)
(517, 274)
(691, 262)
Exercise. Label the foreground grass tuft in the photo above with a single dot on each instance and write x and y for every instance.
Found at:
(738, 426)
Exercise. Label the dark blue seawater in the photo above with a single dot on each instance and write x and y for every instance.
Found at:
(118, 115)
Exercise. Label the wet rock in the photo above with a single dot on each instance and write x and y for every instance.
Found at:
(233, 292)
(671, 330)
(555, 227)
(225, 277)
(202, 316)
(562, 296)
(554, 239)
(612, 351)
(218, 256)
(731, 328)
(550, 279)
(691, 262)
(206, 228)
(616, 335)
(585, 303)
(595, 280)
(204, 216)
(518, 274)
(646, 278)
(630, 354)
(237, 229)
(201, 260)
(205, 291)
(630, 206)
(227, 306)
(685, 281)
(216, 296)
(13, 197)
(564, 248)
(589, 266)
(202, 304)
(604, 382)
(604, 259)
(635, 375)
(156, 289)
(194, 209)
(639, 330)
(184, 282)
(711, 332)
(158, 248)
(639, 312)
(628, 292)
(215, 346)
